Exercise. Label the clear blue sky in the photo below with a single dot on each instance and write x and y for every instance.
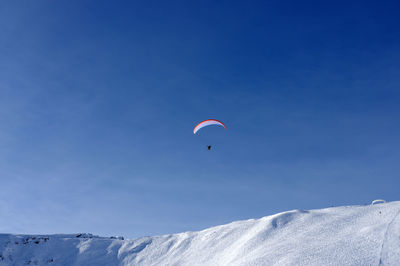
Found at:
(98, 100)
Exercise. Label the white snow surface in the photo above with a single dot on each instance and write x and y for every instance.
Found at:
(351, 235)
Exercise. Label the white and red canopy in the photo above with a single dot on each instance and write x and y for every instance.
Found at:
(207, 122)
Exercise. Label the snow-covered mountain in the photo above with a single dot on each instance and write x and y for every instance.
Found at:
(352, 235)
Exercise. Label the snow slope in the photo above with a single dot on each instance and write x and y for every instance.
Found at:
(353, 235)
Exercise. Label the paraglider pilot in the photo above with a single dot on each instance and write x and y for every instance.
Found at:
(209, 147)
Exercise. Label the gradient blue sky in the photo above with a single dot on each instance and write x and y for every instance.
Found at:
(98, 100)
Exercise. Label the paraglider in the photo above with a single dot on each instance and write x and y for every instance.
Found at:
(206, 123)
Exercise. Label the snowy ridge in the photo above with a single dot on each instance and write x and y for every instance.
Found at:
(352, 235)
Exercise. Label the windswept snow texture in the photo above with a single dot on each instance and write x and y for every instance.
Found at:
(354, 235)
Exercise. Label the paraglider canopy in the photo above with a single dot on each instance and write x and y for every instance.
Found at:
(207, 122)
(377, 201)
